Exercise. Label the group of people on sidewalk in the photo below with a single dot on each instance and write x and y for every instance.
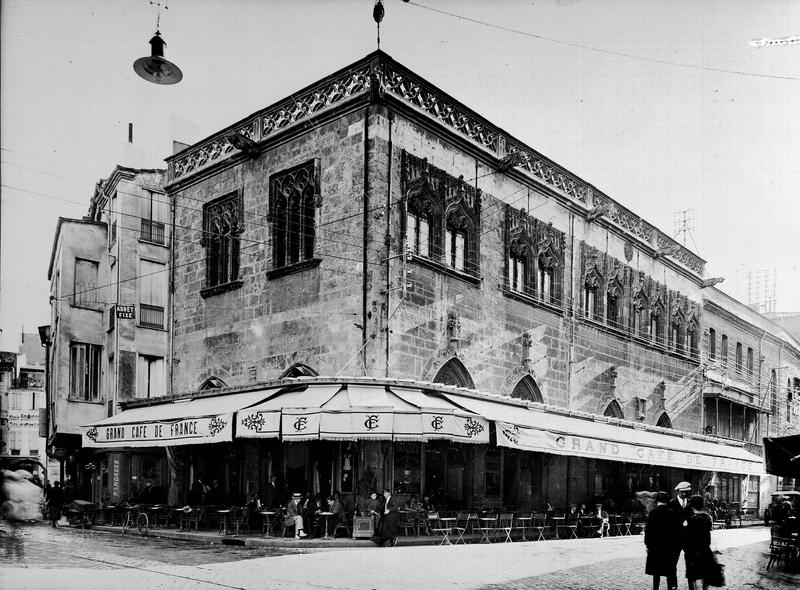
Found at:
(681, 524)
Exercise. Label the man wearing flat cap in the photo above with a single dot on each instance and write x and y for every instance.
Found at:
(680, 504)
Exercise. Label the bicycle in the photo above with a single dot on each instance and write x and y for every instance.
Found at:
(141, 521)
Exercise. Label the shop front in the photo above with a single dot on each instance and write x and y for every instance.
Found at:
(462, 449)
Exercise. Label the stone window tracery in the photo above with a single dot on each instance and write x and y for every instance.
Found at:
(294, 198)
(591, 287)
(614, 293)
(222, 226)
(441, 216)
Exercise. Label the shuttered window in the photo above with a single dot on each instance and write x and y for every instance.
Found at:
(152, 293)
(150, 377)
(85, 282)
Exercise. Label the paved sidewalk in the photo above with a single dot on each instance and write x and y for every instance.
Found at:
(517, 565)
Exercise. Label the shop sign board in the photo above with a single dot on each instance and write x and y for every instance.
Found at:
(183, 431)
(544, 441)
(125, 312)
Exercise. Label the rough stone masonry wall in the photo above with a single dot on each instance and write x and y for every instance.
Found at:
(492, 324)
(259, 330)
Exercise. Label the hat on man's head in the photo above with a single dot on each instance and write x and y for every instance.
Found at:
(297, 495)
(684, 486)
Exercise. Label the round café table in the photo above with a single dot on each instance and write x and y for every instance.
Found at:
(327, 516)
(223, 526)
(267, 516)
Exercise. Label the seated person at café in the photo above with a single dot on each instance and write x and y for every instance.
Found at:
(337, 507)
(602, 516)
(414, 503)
(293, 516)
(427, 505)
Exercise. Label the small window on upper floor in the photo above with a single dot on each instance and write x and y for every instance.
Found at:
(738, 366)
(750, 361)
(455, 249)
(86, 289)
(518, 272)
(418, 228)
(154, 214)
(724, 350)
(589, 302)
(150, 377)
(712, 344)
(84, 371)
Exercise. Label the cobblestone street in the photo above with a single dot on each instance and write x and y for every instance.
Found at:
(68, 558)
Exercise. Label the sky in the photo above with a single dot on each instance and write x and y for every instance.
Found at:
(662, 104)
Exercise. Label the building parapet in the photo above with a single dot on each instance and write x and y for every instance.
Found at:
(379, 76)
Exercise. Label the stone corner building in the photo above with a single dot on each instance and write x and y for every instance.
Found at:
(372, 229)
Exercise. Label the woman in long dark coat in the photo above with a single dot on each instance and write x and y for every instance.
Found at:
(700, 560)
(663, 541)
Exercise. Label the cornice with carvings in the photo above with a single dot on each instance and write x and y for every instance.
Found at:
(379, 76)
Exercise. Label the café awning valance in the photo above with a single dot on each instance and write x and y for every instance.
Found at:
(179, 422)
(348, 411)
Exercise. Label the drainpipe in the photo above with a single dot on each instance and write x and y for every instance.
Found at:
(365, 240)
(390, 116)
(571, 312)
(171, 334)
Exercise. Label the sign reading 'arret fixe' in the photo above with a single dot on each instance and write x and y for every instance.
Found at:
(125, 312)
(184, 431)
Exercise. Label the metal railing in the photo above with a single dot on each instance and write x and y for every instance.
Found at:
(152, 231)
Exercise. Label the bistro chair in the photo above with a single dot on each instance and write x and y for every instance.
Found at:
(342, 525)
(486, 527)
(540, 526)
(462, 524)
(571, 525)
(523, 522)
(164, 517)
(240, 520)
(437, 530)
(505, 523)
(408, 522)
(197, 515)
(287, 528)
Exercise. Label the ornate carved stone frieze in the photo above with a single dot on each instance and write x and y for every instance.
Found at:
(624, 218)
(379, 78)
(444, 192)
(679, 253)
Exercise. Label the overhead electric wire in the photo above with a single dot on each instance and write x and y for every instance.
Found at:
(600, 49)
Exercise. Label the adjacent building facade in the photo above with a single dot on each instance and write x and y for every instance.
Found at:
(494, 330)
(108, 335)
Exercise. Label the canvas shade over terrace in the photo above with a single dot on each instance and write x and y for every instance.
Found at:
(549, 430)
(362, 411)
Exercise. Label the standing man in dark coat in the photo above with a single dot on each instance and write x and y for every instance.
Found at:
(271, 496)
(662, 537)
(390, 516)
(680, 503)
(55, 500)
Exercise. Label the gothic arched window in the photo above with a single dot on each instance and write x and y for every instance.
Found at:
(212, 383)
(664, 421)
(294, 195)
(613, 410)
(299, 370)
(453, 372)
(222, 225)
(527, 389)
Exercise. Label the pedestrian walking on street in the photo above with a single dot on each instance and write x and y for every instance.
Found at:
(55, 500)
(662, 537)
(700, 561)
(390, 517)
